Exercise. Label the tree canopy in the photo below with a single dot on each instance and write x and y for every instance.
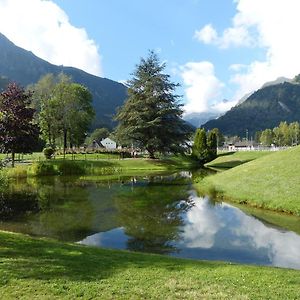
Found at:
(18, 131)
(151, 116)
(65, 109)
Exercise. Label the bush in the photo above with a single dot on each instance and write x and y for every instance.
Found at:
(43, 169)
(68, 167)
(48, 152)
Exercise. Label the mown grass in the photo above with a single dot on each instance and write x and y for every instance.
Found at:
(228, 160)
(45, 269)
(270, 182)
(100, 167)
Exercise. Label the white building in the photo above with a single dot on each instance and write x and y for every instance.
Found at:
(108, 143)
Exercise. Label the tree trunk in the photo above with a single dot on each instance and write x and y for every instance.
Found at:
(49, 134)
(13, 159)
(151, 153)
(65, 142)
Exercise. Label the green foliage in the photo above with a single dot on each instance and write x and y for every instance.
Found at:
(43, 168)
(283, 135)
(18, 131)
(200, 148)
(205, 145)
(65, 109)
(67, 167)
(212, 143)
(151, 116)
(48, 152)
(267, 137)
(97, 135)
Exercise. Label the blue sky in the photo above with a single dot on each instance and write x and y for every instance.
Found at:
(216, 49)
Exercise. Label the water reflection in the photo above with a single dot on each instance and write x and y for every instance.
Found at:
(157, 214)
(232, 235)
(282, 247)
(152, 213)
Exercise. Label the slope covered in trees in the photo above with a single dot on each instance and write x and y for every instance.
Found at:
(265, 108)
(25, 68)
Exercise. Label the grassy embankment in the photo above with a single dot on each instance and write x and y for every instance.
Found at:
(269, 182)
(46, 269)
(227, 160)
(98, 167)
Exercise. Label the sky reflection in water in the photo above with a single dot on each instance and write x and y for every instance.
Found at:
(221, 232)
(157, 214)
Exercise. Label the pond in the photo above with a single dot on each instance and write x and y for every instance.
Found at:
(155, 214)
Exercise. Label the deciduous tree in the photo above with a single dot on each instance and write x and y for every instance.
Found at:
(18, 133)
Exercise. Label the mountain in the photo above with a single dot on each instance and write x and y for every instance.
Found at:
(25, 68)
(269, 83)
(277, 81)
(198, 119)
(3, 83)
(265, 108)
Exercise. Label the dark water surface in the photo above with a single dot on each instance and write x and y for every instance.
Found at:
(157, 214)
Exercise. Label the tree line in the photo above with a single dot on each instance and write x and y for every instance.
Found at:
(60, 112)
(283, 135)
(55, 111)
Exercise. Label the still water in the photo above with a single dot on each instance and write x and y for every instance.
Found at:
(157, 214)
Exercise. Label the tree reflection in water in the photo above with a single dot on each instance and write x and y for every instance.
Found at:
(151, 213)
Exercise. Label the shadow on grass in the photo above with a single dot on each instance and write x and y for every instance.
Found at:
(177, 162)
(22, 257)
(226, 153)
(229, 164)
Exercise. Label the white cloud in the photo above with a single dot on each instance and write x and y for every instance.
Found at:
(202, 224)
(272, 26)
(237, 67)
(44, 28)
(235, 36)
(202, 87)
(207, 34)
(223, 106)
(282, 247)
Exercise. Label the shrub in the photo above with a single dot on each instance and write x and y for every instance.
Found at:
(68, 167)
(43, 169)
(48, 152)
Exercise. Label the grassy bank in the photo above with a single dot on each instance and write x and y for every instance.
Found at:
(100, 167)
(227, 160)
(270, 182)
(46, 269)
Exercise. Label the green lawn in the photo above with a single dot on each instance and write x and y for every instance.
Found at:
(98, 167)
(46, 269)
(271, 182)
(228, 160)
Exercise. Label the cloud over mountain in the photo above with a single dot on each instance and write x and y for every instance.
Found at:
(271, 27)
(45, 29)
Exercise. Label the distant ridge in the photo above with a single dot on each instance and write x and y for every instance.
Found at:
(25, 68)
(265, 108)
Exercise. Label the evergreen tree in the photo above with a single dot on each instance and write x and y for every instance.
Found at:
(212, 142)
(151, 116)
(200, 148)
(18, 133)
